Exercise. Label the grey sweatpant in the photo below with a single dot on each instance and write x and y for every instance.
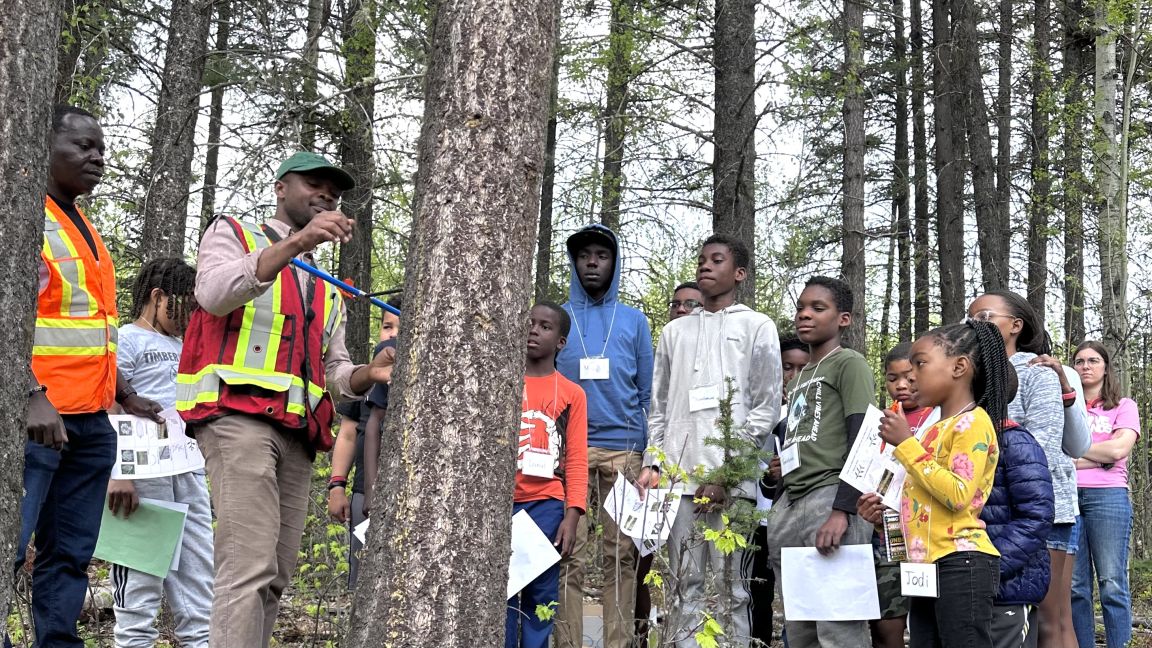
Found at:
(188, 589)
(794, 524)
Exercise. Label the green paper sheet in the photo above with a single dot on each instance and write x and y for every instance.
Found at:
(145, 541)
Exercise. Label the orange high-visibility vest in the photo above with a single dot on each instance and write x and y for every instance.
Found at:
(74, 348)
(266, 358)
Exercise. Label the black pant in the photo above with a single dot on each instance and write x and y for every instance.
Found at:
(762, 589)
(962, 616)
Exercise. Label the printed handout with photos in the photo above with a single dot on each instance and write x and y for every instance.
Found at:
(647, 521)
(145, 448)
(871, 466)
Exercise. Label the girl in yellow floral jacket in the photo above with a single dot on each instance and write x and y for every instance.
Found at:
(963, 370)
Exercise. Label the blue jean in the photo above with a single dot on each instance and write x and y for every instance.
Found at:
(522, 628)
(1104, 525)
(64, 493)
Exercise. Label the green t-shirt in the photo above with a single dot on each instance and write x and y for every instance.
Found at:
(820, 397)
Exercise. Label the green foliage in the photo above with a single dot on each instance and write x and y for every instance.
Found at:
(709, 632)
(546, 612)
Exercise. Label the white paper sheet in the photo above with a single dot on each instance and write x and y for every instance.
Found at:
(145, 448)
(361, 530)
(840, 587)
(648, 520)
(175, 506)
(532, 553)
(871, 466)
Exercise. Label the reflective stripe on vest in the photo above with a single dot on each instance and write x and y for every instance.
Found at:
(67, 335)
(258, 346)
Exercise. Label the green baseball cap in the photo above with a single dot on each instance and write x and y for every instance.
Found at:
(305, 162)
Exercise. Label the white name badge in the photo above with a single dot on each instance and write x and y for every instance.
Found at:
(537, 463)
(919, 579)
(594, 369)
(703, 398)
(789, 458)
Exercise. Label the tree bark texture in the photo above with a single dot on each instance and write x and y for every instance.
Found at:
(993, 232)
(852, 265)
(734, 130)
(1112, 234)
(318, 11)
(900, 179)
(82, 30)
(543, 285)
(1077, 45)
(922, 228)
(437, 556)
(215, 73)
(29, 33)
(356, 154)
(173, 141)
(1040, 206)
(1004, 126)
(949, 171)
(620, 47)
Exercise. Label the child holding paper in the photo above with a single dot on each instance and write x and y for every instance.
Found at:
(720, 347)
(148, 356)
(551, 468)
(962, 369)
(888, 630)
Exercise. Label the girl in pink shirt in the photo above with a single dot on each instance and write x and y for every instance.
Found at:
(1105, 521)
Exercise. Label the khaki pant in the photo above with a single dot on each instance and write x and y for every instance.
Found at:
(619, 560)
(259, 478)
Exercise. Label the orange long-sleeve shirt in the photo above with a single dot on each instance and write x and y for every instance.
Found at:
(554, 418)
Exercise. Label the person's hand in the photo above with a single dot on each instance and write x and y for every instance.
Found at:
(566, 534)
(338, 507)
(325, 227)
(44, 424)
(649, 478)
(830, 533)
(122, 497)
(894, 428)
(717, 498)
(137, 405)
(1055, 365)
(871, 508)
(380, 369)
(774, 467)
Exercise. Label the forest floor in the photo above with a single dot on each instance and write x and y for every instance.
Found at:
(314, 609)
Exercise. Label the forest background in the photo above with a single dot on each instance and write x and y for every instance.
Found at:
(923, 150)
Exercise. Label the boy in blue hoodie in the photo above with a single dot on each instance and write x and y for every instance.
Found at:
(609, 354)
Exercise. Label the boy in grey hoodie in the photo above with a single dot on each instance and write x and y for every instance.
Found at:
(696, 358)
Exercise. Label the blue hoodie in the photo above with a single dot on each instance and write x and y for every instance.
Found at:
(617, 407)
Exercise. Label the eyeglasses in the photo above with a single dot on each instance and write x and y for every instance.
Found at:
(690, 304)
(1093, 361)
(987, 315)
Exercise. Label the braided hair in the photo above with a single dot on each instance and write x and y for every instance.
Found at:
(991, 369)
(174, 278)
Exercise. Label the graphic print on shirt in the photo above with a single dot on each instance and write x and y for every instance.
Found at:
(799, 409)
(1099, 425)
(540, 431)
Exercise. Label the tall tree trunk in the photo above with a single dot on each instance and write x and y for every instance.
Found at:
(890, 276)
(900, 177)
(83, 30)
(29, 33)
(1004, 127)
(543, 286)
(214, 76)
(1040, 207)
(460, 365)
(173, 142)
(992, 231)
(949, 172)
(318, 11)
(1112, 233)
(922, 248)
(1077, 44)
(620, 47)
(734, 130)
(852, 265)
(356, 147)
